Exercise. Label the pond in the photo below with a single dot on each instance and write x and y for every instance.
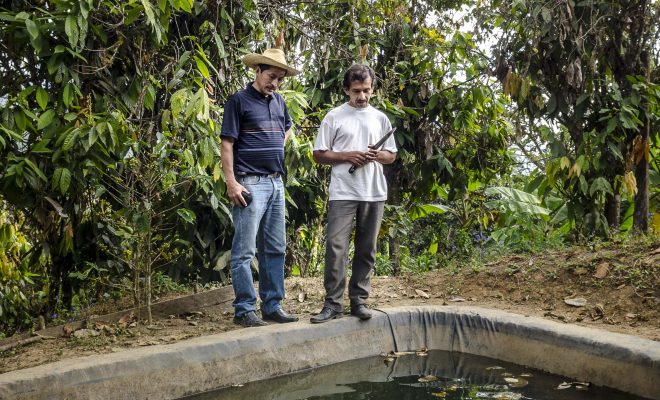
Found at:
(419, 375)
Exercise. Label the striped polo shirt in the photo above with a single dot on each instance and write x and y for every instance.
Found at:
(258, 124)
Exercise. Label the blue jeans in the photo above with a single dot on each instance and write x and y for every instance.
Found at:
(259, 229)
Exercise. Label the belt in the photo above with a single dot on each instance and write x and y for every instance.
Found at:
(272, 175)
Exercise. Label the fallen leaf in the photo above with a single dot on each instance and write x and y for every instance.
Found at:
(126, 320)
(67, 330)
(576, 302)
(631, 316)
(516, 382)
(601, 270)
(98, 325)
(564, 385)
(427, 378)
(422, 293)
(439, 394)
(301, 297)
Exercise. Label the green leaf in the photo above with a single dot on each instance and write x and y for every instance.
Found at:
(516, 201)
(187, 215)
(584, 186)
(45, 119)
(201, 66)
(70, 140)
(42, 98)
(71, 30)
(32, 29)
(41, 147)
(600, 185)
(426, 209)
(61, 180)
(611, 125)
(188, 157)
(67, 95)
(615, 150)
(433, 101)
(220, 45)
(151, 18)
(150, 97)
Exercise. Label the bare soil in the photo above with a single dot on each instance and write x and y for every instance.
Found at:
(619, 282)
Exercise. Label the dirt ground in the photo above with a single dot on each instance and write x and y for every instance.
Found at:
(614, 288)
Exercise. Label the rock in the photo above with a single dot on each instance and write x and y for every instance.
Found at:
(576, 302)
(84, 333)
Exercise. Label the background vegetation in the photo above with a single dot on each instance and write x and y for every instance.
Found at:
(521, 125)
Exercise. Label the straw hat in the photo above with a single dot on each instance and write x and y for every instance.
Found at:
(274, 57)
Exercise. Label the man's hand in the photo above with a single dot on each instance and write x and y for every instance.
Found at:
(234, 189)
(357, 158)
(235, 193)
(381, 156)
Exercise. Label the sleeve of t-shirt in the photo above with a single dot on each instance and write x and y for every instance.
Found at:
(326, 134)
(287, 117)
(230, 118)
(390, 143)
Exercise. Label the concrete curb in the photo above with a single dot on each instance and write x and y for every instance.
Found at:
(206, 363)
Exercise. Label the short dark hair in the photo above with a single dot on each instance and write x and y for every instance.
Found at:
(360, 73)
(263, 67)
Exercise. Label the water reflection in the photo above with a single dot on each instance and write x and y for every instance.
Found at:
(438, 375)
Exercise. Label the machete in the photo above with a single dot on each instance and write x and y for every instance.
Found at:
(378, 145)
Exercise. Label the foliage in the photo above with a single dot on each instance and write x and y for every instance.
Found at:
(20, 297)
(588, 68)
(109, 130)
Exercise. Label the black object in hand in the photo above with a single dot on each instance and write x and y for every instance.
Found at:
(247, 197)
(379, 144)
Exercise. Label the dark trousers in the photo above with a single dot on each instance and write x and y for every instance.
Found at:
(341, 214)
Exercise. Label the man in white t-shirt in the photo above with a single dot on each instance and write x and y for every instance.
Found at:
(344, 140)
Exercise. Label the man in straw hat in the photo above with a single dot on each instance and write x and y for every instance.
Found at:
(255, 125)
(358, 191)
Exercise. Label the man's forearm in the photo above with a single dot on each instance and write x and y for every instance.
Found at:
(328, 157)
(227, 158)
(385, 157)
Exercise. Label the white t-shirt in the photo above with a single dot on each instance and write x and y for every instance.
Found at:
(347, 128)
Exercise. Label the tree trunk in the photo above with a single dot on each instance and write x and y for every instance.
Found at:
(613, 211)
(641, 215)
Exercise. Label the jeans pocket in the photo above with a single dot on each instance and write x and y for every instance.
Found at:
(248, 180)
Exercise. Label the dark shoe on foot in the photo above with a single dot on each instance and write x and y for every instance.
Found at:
(249, 319)
(361, 311)
(325, 315)
(279, 316)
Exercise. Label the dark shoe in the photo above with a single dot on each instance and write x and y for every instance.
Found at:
(361, 311)
(325, 315)
(279, 316)
(249, 319)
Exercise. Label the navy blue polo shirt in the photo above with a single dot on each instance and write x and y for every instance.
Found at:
(258, 124)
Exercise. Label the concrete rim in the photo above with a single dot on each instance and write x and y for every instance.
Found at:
(236, 357)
